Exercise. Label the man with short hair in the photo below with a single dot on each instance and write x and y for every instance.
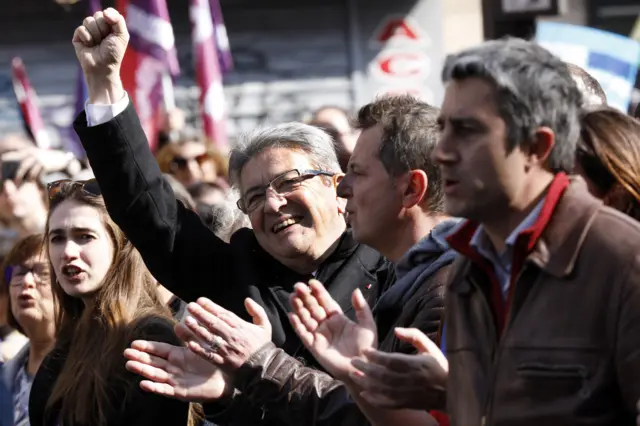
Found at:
(287, 177)
(395, 201)
(543, 307)
(395, 205)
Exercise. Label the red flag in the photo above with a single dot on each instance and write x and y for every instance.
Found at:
(150, 55)
(28, 101)
(208, 76)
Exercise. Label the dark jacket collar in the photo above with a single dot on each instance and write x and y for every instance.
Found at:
(557, 247)
(346, 246)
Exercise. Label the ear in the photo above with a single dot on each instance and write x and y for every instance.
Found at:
(543, 141)
(336, 179)
(416, 189)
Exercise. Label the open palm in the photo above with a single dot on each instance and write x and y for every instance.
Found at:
(332, 338)
(338, 340)
(176, 372)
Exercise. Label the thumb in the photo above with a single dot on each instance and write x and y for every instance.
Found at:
(258, 313)
(423, 344)
(116, 21)
(363, 311)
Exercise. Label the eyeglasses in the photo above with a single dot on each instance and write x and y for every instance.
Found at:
(180, 163)
(57, 188)
(282, 184)
(14, 275)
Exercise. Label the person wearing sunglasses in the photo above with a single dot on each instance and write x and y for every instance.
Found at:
(106, 298)
(191, 162)
(287, 177)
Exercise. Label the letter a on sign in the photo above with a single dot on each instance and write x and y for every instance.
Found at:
(397, 28)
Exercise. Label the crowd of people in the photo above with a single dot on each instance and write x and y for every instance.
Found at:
(472, 263)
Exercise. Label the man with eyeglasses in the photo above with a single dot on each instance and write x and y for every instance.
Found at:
(287, 177)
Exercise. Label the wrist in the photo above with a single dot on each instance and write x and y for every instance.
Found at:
(105, 90)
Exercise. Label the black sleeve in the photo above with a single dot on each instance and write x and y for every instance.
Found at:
(145, 408)
(177, 247)
(428, 309)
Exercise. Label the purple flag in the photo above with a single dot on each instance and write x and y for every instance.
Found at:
(221, 38)
(151, 32)
(74, 144)
(208, 75)
(94, 6)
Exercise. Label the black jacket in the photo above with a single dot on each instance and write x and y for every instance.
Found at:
(141, 409)
(185, 255)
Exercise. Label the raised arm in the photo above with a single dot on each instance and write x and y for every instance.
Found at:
(177, 247)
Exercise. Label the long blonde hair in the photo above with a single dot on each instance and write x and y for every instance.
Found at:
(96, 334)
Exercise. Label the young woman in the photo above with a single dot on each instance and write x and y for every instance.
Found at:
(106, 299)
(31, 311)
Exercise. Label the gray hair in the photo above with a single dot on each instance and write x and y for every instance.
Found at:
(226, 218)
(533, 89)
(315, 142)
(592, 92)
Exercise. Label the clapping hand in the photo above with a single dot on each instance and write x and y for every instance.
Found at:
(332, 338)
(175, 371)
(395, 380)
(225, 339)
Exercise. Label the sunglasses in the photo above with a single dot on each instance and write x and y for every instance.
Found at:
(180, 163)
(59, 187)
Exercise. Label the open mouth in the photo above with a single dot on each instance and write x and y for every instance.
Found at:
(25, 297)
(71, 271)
(281, 226)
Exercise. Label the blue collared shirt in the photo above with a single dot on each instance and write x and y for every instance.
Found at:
(502, 262)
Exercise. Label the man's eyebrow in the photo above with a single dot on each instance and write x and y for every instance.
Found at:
(256, 188)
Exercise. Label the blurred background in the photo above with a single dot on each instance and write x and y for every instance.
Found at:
(290, 57)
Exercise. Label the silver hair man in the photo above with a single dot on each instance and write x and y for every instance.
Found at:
(314, 142)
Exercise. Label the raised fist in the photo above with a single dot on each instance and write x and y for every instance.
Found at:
(100, 43)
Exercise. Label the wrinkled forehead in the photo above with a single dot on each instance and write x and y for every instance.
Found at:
(268, 164)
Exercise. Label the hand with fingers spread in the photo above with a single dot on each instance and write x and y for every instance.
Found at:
(100, 43)
(394, 380)
(333, 339)
(225, 339)
(176, 372)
